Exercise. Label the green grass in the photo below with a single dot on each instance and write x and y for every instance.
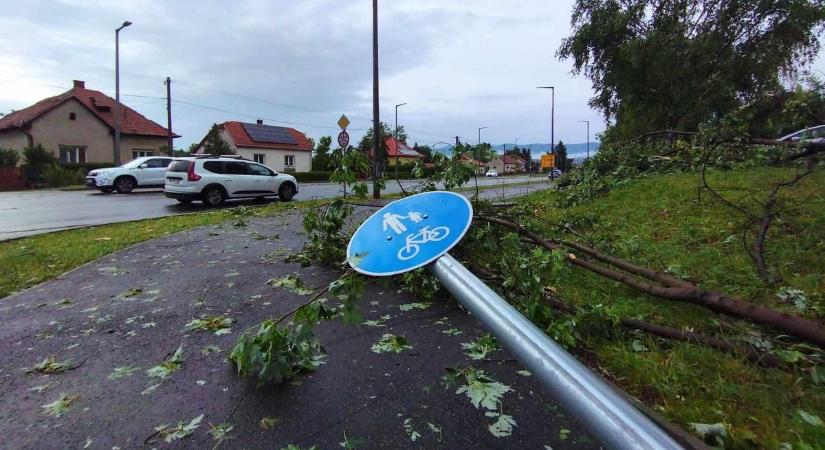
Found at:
(31, 260)
(660, 223)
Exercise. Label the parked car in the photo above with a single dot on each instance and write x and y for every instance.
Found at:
(811, 134)
(147, 171)
(213, 179)
(553, 174)
(491, 173)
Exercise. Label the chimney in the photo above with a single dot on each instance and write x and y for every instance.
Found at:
(80, 84)
(260, 121)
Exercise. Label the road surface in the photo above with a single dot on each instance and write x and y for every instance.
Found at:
(27, 213)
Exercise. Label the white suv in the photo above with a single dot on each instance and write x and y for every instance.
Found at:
(148, 171)
(213, 179)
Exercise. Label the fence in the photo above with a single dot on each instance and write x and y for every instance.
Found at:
(11, 179)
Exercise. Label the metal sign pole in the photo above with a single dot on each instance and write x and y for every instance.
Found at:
(613, 421)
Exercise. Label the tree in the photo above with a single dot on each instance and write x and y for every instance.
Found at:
(425, 151)
(321, 160)
(214, 144)
(674, 64)
(9, 157)
(561, 156)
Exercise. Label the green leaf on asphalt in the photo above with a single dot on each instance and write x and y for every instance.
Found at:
(268, 422)
(391, 343)
(220, 432)
(180, 431)
(120, 372)
(480, 388)
(168, 366)
(50, 366)
(411, 306)
(59, 406)
(479, 348)
(292, 284)
(217, 324)
(502, 427)
(411, 433)
(452, 331)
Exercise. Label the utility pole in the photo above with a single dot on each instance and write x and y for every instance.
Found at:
(588, 136)
(116, 150)
(457, 142)
(169, 116)
(376, 122)
(552, 116)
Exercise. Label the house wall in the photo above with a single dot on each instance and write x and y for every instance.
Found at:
(274, 159)
(401, 160)
(54, 129)
(14, 140)
(496, 164)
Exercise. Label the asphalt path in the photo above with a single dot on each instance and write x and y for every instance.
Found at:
(115, 319)
(26, 213)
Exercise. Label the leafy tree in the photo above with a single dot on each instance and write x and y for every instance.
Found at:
(483, 152)
(321, 159)
(561, 156)
(9, 157)
(425, 150)
(674, 64)
(214, 144)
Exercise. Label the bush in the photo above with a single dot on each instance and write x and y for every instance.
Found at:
(317, 175)
(56, 176)
(9, 158)
(85, 167)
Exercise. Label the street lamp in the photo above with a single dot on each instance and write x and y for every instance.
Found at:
(588, 136)
(396, 138)
(376, 122)
(479, 134)
(552, 116)
(116, 150)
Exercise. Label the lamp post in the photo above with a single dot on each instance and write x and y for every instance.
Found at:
(588, 136)
(552, 116)
(396, 138)
(479, 134)
(376, 122)
(116, 150)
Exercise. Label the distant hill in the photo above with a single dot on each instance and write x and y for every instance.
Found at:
(576, 151)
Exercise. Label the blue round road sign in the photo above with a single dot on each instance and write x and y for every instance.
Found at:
(409, 233)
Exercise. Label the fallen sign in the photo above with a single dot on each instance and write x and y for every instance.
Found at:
(418, 231)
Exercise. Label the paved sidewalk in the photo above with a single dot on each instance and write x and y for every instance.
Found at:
(129, 310)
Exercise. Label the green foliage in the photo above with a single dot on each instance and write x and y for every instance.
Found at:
(421, 283)
(321, 159)
(349, 165)
(292, 284)
(561, 157)
(649, 66)
(277, 352)
(213, 143)
(479, 348)
(391, 343)
(168, 366)
(57, 176)
(216, 324)
(59, 406)
(50, 365)
(448, 172)
(181, 430)
(9, 157)
(324, 229)
(348, 290)
(315, 175)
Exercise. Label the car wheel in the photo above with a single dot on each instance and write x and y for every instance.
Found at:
(106, 190)
(286, 192)
(185, 201)
(213, 196)
(124, 185)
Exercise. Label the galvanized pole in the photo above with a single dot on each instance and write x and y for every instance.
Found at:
(376, 122)
(588, 136)
(613, 421)
(116, 149)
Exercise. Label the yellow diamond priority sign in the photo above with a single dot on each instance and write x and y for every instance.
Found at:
(343, 122)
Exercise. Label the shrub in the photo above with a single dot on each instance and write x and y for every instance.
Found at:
(56, 176)
(316, 175)
(85, 167)
(9, 158)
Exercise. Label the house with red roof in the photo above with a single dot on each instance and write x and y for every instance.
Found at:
(399, 152)
(507, 164)
(282, 149)
(78, 126)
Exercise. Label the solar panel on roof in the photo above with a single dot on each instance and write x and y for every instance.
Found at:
(269, 133)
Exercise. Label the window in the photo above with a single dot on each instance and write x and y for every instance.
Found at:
(213, 166)
(259, 158)
(72, 116)
(235, 168)
(72, 154)
(183, 166)
(141, 153)
(289, 160)
(157, 163)
(255, 169)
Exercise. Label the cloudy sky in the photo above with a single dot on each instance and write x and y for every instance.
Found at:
(459, 65)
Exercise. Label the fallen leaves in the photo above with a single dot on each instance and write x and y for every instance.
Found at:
(168, 366)
(479, 348)
(169, 434)
(120, 372)
(59, 406)
(391, 343)
(50, 366)
(292, 284)
(217, 324)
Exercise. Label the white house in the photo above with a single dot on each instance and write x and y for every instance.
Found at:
(282, 149)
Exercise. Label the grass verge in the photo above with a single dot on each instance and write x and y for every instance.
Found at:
(663, 222)
(31, 260)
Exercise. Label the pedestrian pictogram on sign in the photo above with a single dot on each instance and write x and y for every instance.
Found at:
(409, 233)
(343, 139)
(343, 122)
